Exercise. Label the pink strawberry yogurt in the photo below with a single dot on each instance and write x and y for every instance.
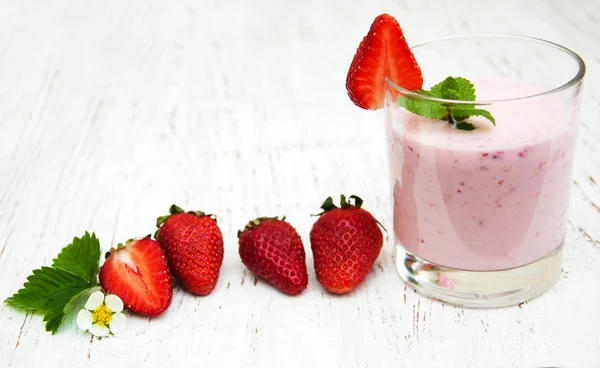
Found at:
(489, 199)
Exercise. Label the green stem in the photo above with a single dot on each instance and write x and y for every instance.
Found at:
(449, 116)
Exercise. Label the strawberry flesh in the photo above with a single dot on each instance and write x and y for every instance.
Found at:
(138, 274)
(383, 53)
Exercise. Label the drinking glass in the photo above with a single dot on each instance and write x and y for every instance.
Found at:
(480, 216)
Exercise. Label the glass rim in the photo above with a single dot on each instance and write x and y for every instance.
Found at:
(581, 69)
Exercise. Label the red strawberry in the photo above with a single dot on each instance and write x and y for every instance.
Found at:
(345, 243)
(194, 246)
(272, 249)
(138, 274)
(382, 53)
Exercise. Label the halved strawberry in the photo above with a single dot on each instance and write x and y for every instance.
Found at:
(382, 53)
(138, 274)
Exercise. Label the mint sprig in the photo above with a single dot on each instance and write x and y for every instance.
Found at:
(451, 88)
(52, 291)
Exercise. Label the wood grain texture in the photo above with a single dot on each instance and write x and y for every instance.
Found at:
(112, 110)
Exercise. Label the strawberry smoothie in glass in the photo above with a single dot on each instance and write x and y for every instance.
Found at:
(480, 214)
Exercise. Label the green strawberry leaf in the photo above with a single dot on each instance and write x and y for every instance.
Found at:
(76, 303)
(55, 291)
(40, 287)
(81, 258)
(59, 304)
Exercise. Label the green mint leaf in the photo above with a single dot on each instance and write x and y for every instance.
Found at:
(466, 90)
(462, 113)
(426, 93)
(451, 94)
(463, 125)
(451, 88)
(429, 109)
(80, 258)
(435, 91)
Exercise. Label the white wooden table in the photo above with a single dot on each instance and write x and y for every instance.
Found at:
(111, 111)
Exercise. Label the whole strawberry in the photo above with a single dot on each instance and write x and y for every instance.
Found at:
(273, 250)
(137, 272)
(345, 243)
(194, 246)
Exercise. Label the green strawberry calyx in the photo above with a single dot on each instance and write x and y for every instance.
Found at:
(256, 222)
(353, 201)
(175, 210)
(328, 205)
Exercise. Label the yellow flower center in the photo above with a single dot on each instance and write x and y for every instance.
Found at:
(102, 315)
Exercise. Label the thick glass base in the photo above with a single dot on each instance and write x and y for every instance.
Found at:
(479, 289)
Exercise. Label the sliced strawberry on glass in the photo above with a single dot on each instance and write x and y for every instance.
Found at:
(137, 272)
(382, 53)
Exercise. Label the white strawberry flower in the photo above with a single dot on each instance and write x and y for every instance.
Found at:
(101, 315)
